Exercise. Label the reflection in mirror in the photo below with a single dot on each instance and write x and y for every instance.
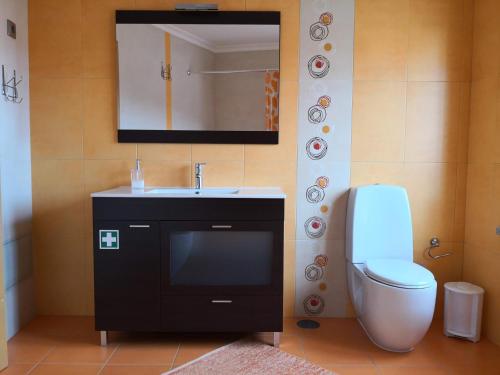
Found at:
(210, 77)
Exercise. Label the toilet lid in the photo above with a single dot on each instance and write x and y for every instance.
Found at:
(399, 273)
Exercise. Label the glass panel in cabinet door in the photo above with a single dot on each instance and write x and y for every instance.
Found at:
(220, 258)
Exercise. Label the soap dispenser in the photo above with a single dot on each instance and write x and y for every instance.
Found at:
(137, 176)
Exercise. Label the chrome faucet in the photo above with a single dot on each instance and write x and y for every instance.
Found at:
(198, 175)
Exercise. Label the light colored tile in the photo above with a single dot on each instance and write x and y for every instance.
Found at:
(432, 122)
(55, 39)
(167, 151)
(58, 206)
(100, 124)
(167, 173)
(460, 200)
(366, 173)
(381, 39)
(221, 173)
(464, 123)
(217, 152)
(486, 42)
(431, 190)
(483, 121)
(99, 42)
(106, 174)
(437, 40)
(56, 118)
(378, 121)
(480, 207)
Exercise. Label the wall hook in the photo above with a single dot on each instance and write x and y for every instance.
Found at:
(9, 87)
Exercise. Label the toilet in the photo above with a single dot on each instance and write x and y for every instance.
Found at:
(394, 298)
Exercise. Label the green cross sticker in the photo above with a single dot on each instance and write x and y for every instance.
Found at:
(109, 239)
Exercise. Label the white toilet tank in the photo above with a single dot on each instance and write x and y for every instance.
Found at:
(378, 224)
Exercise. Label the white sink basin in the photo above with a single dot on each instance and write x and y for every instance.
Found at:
(191, 191)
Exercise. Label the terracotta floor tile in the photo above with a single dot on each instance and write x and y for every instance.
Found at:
(335, 350)
(28, 352)
(339, 345)
(16, 370)
(292, 345)
(80, 353)
(46, 369)
(414, 370)
(134, 370)
(154, 353)
(353, 370)
(192, 350)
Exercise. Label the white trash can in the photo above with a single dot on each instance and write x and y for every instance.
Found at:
(463, 308)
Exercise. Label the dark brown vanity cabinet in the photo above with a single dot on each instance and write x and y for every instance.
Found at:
(188, 264)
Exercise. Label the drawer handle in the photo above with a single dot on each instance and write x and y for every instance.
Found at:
(222, 226)
(222, 301)
(139, 226)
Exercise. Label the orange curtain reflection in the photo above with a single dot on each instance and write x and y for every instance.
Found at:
(272, 100)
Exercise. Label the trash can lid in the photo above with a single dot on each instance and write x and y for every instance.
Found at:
(463, 287)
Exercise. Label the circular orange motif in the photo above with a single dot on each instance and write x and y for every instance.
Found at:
(324, 209)
(326, 18)
(326, 129)
(324, 101)
(322, 182)
(322, 286)
(328, 47)
(321, 260)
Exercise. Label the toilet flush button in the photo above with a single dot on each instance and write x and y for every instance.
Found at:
(498, 231)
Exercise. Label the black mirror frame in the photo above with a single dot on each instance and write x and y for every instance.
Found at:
(198, 17)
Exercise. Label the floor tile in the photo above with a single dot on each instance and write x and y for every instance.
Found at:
(80, 353)
(189, 351)
(413, 370)
(46, 369)
(70, 345)
(16, 370)
(153, 353)
(134, 370)
(353, 369)
(28, 352)
(292, 344)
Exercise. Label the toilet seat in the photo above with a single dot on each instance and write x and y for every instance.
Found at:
(399, 273)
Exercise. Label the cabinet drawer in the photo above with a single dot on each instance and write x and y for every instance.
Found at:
(222, 313)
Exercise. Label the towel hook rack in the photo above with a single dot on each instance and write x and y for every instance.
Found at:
(9, 87)
(434, 242)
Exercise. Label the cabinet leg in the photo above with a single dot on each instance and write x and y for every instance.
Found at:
(104, 338)
(276, 339)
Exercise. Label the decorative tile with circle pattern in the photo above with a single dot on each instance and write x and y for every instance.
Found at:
(324, 139)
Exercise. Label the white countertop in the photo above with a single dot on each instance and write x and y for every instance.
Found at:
(176, 192)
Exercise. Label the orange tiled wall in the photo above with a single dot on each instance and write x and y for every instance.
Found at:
(411, 95)
(410, 116)
(73, 125)
(482, 246)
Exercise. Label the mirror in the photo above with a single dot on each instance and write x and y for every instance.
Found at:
(198, 77)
